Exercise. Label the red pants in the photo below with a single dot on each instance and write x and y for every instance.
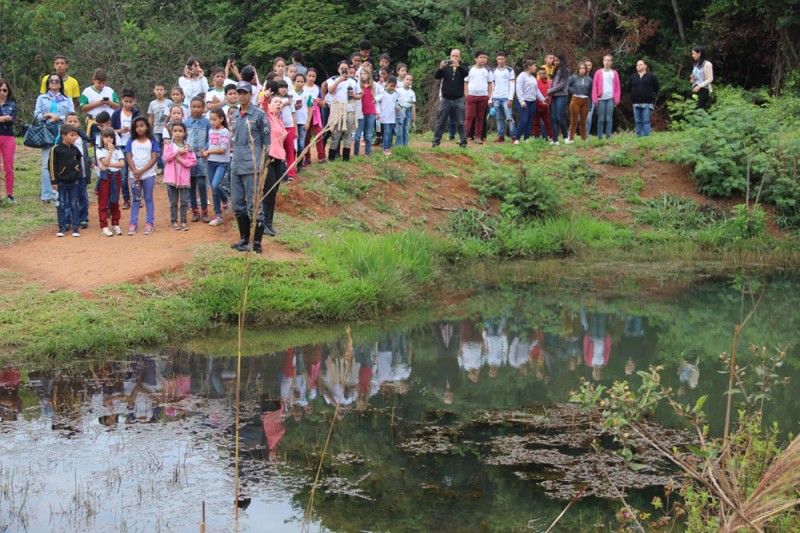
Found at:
(288, 145)
(8, 146)
(542, 113)
(103, 194)
(310, 134)
(476, 109)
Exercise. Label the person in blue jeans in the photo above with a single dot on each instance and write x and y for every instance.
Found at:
(559, 95)
(65, 169)
(219, 159)
(388, 114)
(369, 108)
(407, 102)
(643, 87)
(197, 130)
(51, 108)
(503, 98)
(606, 94)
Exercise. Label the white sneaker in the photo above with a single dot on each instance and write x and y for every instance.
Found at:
(553, 142)
(60, 234)
(117, 230)
(516, 141)
(216, 222)
(107, 232)
(76, 233)
(568, 141)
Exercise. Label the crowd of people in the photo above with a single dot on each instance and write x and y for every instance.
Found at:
(212, 134)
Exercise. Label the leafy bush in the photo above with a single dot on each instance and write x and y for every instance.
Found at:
(744, 139)
(676, 213)
(524, 192)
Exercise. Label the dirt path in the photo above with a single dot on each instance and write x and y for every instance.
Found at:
(93, 260)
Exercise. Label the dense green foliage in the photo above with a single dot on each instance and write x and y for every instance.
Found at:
(145, 41)
(747, 145)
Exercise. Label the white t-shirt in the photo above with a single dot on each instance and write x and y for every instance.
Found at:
(212, 92)
(406, 97)
(102, 153)
(340, 95)
(608, 85)
(90, 96)
(478, 81)
(159, 110)
(388, 104)
(141, 152)
(125, 122)
(287, 111)
(503, 82)
(305, 97)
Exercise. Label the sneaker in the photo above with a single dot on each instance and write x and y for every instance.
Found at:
(132, 229)
(175, 226)
(463, 145)
(205, 218)
(148, 229)
(84, 224)
(568, 141)
(76, 233)
(117, 230)
(516, 141)
(553, 142)
(107, 232)
(500, 140)
(387, 152)
(479, 141)
(60, 233)
(216, 222)
(184, 226)
(10, 199)
(195, 217)
(126, 204)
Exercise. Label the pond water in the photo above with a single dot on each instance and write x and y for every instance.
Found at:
(451, 420)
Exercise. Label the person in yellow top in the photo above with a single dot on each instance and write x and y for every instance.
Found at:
(549, 66)
(71, 87)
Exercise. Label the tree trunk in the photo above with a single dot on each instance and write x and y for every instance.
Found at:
(679, 20)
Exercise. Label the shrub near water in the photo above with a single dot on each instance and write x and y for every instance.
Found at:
(348, 275)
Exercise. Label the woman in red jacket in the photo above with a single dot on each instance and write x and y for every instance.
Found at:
(605, 94)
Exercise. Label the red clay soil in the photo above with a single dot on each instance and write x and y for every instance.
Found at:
(92, 260)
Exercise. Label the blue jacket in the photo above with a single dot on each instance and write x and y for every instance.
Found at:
(9, 109)
(197, 137)
(116, 117)
(44, 105)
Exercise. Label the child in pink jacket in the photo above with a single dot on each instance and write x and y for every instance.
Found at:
(178, 159)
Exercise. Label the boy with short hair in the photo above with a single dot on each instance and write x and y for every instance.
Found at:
(96, 98)
(121, 121)
(82, 143)
(216, 93)
(503, 97)
(478, 87)
(71, 87)
(549, 66)
(388, 114)
(384, 62)
(157, 113)
(407, 103)
(65, 175)
(231, 98)
(197, 130)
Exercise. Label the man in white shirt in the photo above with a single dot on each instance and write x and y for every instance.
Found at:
(478, 86)
(503, 97)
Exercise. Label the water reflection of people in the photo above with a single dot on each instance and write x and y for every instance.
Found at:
(596, 341)
(10, 402)
(339, 378)
(689, 373)
(496, 341)
(363, 352)
(272, 420)
(445, 375)
(632, 341)
(471, 350)
(393, 362)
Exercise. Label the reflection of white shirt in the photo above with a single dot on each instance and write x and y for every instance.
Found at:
(597, 353)
(496, 349)
(470, 357)
(519, 352)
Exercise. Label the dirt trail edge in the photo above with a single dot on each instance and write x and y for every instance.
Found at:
(93, 260)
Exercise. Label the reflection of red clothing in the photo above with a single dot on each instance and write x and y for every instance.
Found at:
(9, 378)
(178, 388)
(274, 428)
(536, 346)
(288, 364)
(364, 379)
(588, 349)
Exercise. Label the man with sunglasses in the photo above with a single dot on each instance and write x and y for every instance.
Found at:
(71, 87)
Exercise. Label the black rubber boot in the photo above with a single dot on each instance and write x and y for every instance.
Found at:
(332, 155)
(345, 154)
(258, 236)
(269, 214)
(243, 221)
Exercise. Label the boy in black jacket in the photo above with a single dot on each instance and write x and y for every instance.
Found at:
(65, 174)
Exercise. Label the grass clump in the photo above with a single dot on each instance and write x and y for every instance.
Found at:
(524, 191)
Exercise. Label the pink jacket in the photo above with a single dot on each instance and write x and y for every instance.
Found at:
(597, 86)
(176, 166)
